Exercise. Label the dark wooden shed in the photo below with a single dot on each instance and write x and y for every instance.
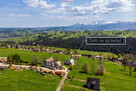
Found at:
(93, 83)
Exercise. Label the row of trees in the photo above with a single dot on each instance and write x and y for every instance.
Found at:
(15, 59)
(74, 43)
(100, 68)
(127, 62)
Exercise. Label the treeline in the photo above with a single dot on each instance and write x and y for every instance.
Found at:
(21, 32)
(74, 39)
(75, 43)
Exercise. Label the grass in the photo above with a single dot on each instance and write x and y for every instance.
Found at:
(115, 79)
(75, 34)
(26, 55)
(27, 80)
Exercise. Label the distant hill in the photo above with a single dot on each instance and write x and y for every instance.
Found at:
(73, 40)
(93, 26)
(103, 25)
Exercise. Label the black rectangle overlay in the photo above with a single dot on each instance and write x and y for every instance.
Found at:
(105, 41)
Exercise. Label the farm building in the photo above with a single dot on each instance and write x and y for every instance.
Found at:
(3, 67)
(133, 64)
(47, 50)
(37, 50)
(72, 62)
(120, 59)
(57, 65)
(17, 47)
(58, 51)
(66, 62)
(76, 56)
(49, 63)
(68, 53)
(8, 46)
(93, 83)
(85, 55)
(3, 59)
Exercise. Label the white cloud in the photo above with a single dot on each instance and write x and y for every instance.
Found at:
(69, 11)
(38, 3)
(19, 15)
(113, 5)
(23, 15)
(97, 7)
(11, 14)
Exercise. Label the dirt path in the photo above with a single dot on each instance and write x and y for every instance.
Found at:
(62, 81)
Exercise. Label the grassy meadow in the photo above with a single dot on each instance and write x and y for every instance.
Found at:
(27, 80)
(115, 79)
(67, 35)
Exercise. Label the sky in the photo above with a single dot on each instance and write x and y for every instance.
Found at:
(44, 13)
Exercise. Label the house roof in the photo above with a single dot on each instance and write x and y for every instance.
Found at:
(59, 63)
(50, 59)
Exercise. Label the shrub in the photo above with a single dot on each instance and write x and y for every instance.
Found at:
(85, 67)
(134, 69)
(16, 59)
(100, 70)
(35, 60)
(70, 68)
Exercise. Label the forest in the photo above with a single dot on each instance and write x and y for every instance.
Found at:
(74, 39)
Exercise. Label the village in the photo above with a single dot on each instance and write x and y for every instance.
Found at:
(58, 67)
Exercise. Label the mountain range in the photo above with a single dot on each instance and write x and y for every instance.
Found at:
(103, 25)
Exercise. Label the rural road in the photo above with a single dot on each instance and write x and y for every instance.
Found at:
(62, 81)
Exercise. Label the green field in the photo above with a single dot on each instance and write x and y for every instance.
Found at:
(26, 55)
(72, 34)
(27, 80)
(115, 79)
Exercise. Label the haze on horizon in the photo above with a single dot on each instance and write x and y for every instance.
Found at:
(43, 13)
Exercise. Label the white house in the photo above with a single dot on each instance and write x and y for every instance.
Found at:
(72, 61)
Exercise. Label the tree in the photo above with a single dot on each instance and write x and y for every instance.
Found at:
(9, 59)
(75, 51)
(68, 50)
(130, 65)
(119, 56)
(35, 60)
(78, 58)
(93, 59)
(100, 70)
(15, 59)
(85, 67)
(125, 61)
(100, 67)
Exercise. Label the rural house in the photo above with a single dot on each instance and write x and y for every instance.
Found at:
(17, 47)
(72, 62)
(3, 59)
(37, 50)
(58, 65)
(66, 62)
(49, 63)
